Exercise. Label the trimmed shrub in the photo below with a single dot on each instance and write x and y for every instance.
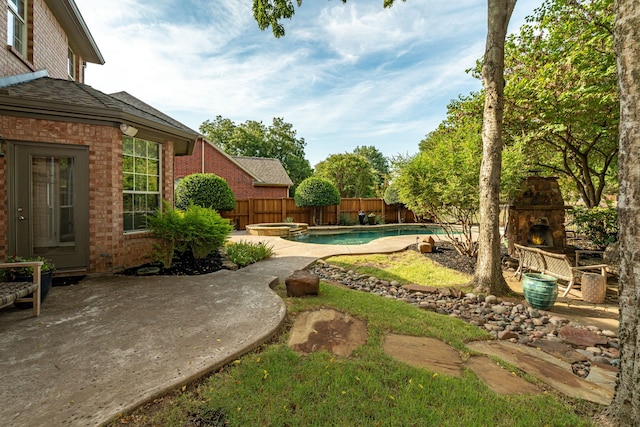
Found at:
(204, 189)
(315, 192)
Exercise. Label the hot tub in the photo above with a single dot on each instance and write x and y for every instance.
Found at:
(282, 229)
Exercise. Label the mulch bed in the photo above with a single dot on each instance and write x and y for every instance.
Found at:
(183, 264)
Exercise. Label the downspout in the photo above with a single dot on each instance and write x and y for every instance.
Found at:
(202, 155)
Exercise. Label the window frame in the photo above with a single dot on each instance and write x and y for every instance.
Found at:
(19, 43)
(140, 196)
(71, 64)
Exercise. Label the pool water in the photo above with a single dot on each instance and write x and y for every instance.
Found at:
(359, 237)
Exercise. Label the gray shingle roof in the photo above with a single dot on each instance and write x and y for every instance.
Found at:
(268, 171)
(66, 99)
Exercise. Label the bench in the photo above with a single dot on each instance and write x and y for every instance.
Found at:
(11, 292)
(553, 264)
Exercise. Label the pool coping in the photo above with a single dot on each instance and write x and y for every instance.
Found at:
(343, 229)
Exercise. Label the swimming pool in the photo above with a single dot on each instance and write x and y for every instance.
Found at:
(362, 236)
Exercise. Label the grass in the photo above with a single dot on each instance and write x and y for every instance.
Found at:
(405, 267)
(274, 386)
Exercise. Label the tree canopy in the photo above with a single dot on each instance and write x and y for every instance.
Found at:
(561, 102)
(378, 162)
(351, 173)
(254, 139)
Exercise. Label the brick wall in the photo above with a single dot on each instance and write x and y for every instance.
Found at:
(47, 45)
(109, 248)
(215, 162)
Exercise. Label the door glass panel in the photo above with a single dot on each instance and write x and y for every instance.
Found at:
(53, 198)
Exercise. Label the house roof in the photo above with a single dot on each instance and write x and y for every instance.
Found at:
(267, 171)
(59, 99)
(80, 39)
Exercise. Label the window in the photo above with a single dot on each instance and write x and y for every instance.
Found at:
(71, 64)
(16, 26)
(140, 181)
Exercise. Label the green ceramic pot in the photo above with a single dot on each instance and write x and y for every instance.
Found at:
(540, 290)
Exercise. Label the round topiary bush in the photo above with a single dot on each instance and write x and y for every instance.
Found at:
(316, 192)
(204, 189)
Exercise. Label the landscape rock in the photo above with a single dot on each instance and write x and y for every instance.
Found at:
(302, 283)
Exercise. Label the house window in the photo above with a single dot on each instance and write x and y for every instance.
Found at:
(16, 26)
(140, 181)
(71, 64)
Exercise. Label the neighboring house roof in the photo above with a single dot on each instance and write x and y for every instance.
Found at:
(45, 97)
(266, 171)
(80, 39)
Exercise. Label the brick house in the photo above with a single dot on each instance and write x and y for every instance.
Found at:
(79, 168)
(248, 177)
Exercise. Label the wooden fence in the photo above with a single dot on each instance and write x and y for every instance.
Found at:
(255, 211)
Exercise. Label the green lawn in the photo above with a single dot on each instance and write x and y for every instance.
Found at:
(274, 386)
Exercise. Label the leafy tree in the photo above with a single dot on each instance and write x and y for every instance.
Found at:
(204, 189)
(254, 139)
(488, 274)
(442, 182)
(378, 162)
(561, 94)
(625, 407)
(352, 174)
(317, 192)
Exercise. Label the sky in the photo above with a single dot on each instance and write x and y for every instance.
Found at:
(345, 75)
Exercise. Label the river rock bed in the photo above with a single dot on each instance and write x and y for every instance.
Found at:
(513, 320)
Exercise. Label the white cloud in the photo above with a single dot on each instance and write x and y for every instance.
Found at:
(344, 75)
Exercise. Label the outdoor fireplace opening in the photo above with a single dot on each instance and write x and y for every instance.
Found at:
(540, 235)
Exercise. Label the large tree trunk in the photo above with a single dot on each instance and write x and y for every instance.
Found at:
(488, 275)
(625, 408)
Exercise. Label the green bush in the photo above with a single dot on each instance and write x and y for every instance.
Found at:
(166, 224)
(244, 253)
(201, 230)
(600, 225)
(204, 189)
(204, 230)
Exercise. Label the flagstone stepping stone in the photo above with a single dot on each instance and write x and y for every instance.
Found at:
(581, 337)
(547, 369)
(326, 329)
(561, 350)
(423, 352)
(499, 379)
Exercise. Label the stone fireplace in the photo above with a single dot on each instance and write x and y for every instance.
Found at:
(537, 215)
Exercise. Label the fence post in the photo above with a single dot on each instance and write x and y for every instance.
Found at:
(284, 209)
(250, 211)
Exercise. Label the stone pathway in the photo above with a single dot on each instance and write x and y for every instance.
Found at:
(339, 333)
